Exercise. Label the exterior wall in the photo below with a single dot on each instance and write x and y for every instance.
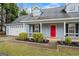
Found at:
(14, 30)
(46, 30)
(26, 28)
(30, 28)
(59, 30)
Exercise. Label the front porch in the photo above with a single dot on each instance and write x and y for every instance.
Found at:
(63, 29)
(45, 28)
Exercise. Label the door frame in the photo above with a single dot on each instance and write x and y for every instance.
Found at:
(55, 27)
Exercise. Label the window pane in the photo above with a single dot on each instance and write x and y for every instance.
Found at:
(71, 29)
(36, 28)
(71, 35)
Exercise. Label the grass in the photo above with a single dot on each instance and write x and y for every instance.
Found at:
(19, 49)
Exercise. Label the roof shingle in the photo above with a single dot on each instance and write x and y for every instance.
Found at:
(50, 13)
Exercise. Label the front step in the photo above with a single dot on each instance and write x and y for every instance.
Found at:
(54, 39)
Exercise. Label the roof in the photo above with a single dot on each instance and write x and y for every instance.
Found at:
(50, 13)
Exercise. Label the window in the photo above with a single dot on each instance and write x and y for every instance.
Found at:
(71, 30)
(71, 7)
(36, 28)
(36, 13)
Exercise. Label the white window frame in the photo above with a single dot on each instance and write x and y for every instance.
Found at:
(36, 28)
(73, 29)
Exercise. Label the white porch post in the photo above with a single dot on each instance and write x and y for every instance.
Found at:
(41, 27)
(64, 29)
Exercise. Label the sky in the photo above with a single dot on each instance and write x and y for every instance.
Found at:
(42, 5)
(28, 6)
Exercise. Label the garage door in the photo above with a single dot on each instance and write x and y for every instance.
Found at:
(15, 30)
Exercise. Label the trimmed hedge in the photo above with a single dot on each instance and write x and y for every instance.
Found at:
(23, 36)
(38, 37)
(68, 40)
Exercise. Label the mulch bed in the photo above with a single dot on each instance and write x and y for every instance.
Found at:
(72, 44)
(44, 45)
(58, 42)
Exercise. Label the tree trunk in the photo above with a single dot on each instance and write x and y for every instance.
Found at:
(1, 17)
(6, 17)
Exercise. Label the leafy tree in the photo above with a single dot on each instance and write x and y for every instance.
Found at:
(11, 12)
(23, 12)
(1, 19)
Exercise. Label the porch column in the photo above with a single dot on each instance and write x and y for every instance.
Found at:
(64, 29)
(41, 27)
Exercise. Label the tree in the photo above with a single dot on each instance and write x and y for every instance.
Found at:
(11, 12)
(1, 25)
(23, 12)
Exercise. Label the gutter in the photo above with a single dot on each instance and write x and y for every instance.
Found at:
(60, 19)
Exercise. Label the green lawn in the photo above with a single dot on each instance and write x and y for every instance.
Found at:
(19, 49)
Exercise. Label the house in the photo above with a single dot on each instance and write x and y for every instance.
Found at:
(52, 22)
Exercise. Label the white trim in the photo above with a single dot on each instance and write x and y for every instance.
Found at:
(73, 29)
(52, 22)
(60, 19)
(36, 26)
(64, 29)
(41, 27)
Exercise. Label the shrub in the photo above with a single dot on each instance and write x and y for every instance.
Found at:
(68, 40)
(38, 37)
(23, 36)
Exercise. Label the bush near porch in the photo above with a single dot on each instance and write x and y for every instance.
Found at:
(68, 40)
(23, 36)
(38, 37)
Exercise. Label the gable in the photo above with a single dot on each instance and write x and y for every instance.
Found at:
(72, 7)
(36, 11)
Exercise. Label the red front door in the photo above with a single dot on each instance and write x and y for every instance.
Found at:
(53, 31)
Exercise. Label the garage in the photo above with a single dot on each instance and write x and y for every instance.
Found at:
(14, 30)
